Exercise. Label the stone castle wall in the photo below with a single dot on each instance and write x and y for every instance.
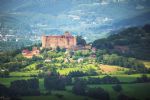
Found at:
(63, 41)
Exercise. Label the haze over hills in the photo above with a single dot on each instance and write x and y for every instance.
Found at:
(89, 18)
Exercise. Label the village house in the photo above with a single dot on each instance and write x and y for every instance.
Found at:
(29, 54)
(88, 47)
(47, 60)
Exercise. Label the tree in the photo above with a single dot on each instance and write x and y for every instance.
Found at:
(125, 97)
(33, 83)
(79, 87)
(76, 74)
(4, 91)
(54, 82)
(25, 87)
(147, 28)
(38, 66)
(36, 58)
(58, 49)
(143, 78)
(117, 88)
(98, 93)
(81, 41)
(20, 87)
(108, 79)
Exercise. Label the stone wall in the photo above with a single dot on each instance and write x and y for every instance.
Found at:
(62, 41)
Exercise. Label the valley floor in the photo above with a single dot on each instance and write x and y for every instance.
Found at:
(138, 90)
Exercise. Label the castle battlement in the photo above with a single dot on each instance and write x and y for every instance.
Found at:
(63, 41)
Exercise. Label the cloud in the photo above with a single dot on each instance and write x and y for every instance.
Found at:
(103, 20)
(139, 7)
(104, 3)
(88, 5)
(74, 17)
(106, 19)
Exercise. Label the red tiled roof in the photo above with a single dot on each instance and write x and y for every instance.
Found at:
(25, 51)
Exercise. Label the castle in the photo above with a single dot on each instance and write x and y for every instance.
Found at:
(63, 41)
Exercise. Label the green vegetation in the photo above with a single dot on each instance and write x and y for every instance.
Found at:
(138, 90)
(114, 59)
(82, 74)
(81, 41)
(131, 42)
(66, 96)
(7, 81)
(146, 63)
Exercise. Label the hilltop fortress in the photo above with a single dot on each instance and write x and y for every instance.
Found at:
(63, 41)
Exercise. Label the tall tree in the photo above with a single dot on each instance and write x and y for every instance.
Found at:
(81, 41)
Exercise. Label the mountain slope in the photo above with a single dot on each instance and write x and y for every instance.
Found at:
(133, 41)
(90, 18)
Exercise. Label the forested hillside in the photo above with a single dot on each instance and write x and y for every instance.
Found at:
(133, 41)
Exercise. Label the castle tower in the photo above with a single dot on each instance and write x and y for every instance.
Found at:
(43, 41)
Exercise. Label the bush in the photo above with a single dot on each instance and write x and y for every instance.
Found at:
(117, 88)
(142, 79)
(59, 95)
(25, 87)
(79, 87)
(4, 73)
(54, 83)
(4, 91)
(98, 93)
(104, 80)
(77, 74)
(124, 97)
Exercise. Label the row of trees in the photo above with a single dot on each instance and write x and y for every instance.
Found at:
(80, 88)
(104, 80)
(114, 59)
(142, 79)
(4, 73)
(56, 82)
(21, 88)
(25, 87)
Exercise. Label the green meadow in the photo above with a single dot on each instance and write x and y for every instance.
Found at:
(138, 90)
(66, 96)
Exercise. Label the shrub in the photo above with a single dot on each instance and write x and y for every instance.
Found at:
(98, 93)
(79, 87)
(117, 88)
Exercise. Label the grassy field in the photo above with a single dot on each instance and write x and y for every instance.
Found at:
(138, 90)
(111, 69)
(122, 77)
(7, 81)
(66, 96)
(22, 74)
(146, 63)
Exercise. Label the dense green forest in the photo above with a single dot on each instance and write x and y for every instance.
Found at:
(136, 41)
